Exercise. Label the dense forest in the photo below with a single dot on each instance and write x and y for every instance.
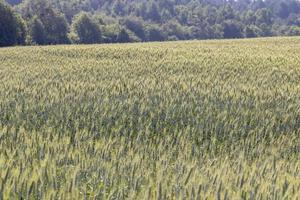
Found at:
(108, 21)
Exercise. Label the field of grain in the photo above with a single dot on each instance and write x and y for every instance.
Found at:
(174, 120)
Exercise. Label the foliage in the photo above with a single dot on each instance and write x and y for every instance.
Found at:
(12, 27)
(176, 120)
(84, 30)
(123, 36)
(136, 25)
(55, 25)
(14, 2)
(293, 30)
(37, 31)
(154, 20)
(154, 33)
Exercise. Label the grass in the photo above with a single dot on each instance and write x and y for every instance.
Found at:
(175, 120)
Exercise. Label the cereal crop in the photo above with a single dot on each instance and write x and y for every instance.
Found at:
(174, 120)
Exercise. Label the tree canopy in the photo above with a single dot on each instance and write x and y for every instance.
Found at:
(84, 30)
(12, 27)
(57, 22)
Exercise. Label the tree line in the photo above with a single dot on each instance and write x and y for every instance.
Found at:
(46, 22)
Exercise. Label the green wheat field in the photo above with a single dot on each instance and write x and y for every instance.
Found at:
(173, 120)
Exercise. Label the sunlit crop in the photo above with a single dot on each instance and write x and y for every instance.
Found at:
(174, 120)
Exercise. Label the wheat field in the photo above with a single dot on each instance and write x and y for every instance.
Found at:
(173, 120)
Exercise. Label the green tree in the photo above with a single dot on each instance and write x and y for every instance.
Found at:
(154, 33)
(265, 30)
(225, 13)
(232, 29)
(84, 30)
(157, 20)
(135, 25)
(153, 13)
(249, 17)
(37, 31)
(12, 27)
(282, 10)
(56, 27)
(14, 2)
(293, 31)
(55, 23)
(123, 36)
(263, 16)
(118, 8)
(250, 31)
(174, 30)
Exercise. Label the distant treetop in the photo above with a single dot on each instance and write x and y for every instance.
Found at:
(155, 20)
